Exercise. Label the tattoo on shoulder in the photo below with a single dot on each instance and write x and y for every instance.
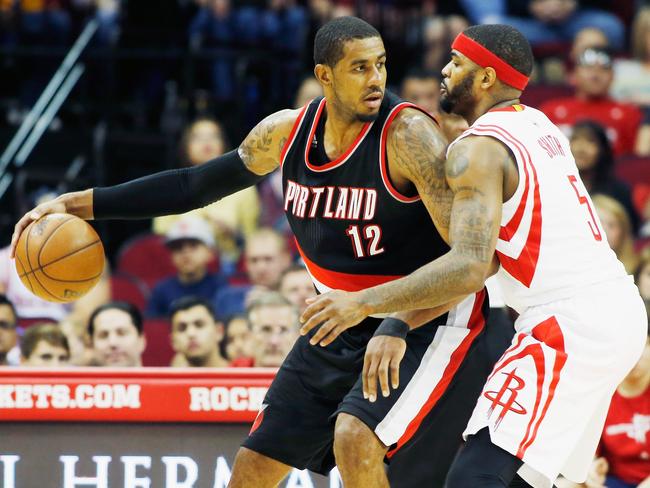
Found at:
(458, 162)
(419, 150)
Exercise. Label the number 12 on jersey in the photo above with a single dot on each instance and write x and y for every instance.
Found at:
(593, 225)
(371, 235)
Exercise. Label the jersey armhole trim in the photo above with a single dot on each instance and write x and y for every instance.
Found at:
(383, 157)
(292, 135)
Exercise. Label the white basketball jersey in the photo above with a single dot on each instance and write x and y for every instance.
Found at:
(551, 242)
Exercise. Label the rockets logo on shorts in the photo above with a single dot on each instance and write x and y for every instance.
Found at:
(506, 397)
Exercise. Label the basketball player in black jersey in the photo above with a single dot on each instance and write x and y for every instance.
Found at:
(364, 210)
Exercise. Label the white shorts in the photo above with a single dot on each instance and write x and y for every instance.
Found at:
(547, 397)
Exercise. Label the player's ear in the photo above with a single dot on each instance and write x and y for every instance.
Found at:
(323, 74)
(489, 77)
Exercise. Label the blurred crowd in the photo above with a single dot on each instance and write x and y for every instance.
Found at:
(224, 285)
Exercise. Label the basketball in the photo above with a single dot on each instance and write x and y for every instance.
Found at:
(59, 258)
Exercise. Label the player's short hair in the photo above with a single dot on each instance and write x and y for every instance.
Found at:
(331, 38)
(126, 307)
(187, 302)
(50, 333)
(506, 42)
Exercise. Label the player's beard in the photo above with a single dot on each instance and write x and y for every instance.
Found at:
(459, 99)
(367, 117)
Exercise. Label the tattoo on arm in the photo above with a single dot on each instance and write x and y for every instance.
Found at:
(417, 148)
(261, 149)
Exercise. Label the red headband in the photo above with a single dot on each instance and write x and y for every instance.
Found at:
(484, 58)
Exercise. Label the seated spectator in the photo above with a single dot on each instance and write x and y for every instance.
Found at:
(81, 350)
(624, 451)
(266, 257)
(592, 78)
(632, 76)
(546, 21)
(586, 38)
(275, 326)
(45, 346)
(308, 90)
(239, 350)
(618, 229)
(422, 88)
(296, 286)
(191, 244)
(233, 217)
(116, 333)
(8, 325)
(593, 154)
(196, 334)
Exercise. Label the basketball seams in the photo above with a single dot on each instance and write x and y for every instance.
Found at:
(54, 231)
(26, 275)
(42, 268)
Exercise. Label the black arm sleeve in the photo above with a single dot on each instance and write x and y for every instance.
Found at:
(174, 191)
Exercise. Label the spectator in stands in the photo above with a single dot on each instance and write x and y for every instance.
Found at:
(592, 77)
(274, 322)
(8, 325)
(585, 38)
(618, 229)
(191, 244)
(234, 217)
(45, 346)
(593, 154)
(266, 257)
(117, 335)
(81, 350)
(642, 275)
(632, 76)
(438, 33)
(624, 453)
(296, 286)
(546, 21)
(422, 88)
(215, 26)
(196, 334)
(239, 347)
(308, 90)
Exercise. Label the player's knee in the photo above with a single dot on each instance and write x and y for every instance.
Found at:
(354, 440)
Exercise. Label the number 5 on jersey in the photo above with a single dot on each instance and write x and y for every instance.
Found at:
(371, 234)
(593, 225)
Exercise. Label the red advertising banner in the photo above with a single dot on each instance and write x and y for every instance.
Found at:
(133, 395)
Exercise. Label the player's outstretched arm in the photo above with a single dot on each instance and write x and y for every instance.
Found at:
(180, 190)
(474, 172)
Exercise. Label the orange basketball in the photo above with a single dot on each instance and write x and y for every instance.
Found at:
(59, 257)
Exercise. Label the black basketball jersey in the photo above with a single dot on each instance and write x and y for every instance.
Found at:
(353, 228)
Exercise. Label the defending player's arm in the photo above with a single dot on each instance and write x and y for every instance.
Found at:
(180, 190)
(386, 349)
(475, 172)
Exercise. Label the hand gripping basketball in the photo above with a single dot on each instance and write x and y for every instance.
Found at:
(59, 257)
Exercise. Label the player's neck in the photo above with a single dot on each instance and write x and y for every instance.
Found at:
(340, 133)
(486, 105)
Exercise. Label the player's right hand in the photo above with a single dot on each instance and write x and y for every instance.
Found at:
(383, 355)
(597, 473)
(56, 205)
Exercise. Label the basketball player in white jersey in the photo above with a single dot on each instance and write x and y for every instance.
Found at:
(518, 199)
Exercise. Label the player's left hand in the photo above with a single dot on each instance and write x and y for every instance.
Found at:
(383, 356)
(335, 312)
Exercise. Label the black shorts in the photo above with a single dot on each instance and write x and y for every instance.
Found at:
(442, 373)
